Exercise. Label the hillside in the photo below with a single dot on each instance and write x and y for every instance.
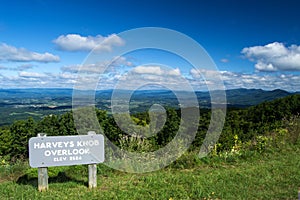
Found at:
(248, 97)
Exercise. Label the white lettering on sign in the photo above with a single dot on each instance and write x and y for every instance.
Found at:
(59, 159)
(66, 152)
(89, 143)
(75, 158)
(67, 144)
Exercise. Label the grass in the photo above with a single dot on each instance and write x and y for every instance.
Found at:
(272, 175)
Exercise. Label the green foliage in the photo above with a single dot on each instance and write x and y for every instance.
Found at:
(135, 143)
(6, 142)
(11, 172)
(170, 128)
(21, 132)
(50, 125)
(257, 128)
(293, 128)
(66, 124)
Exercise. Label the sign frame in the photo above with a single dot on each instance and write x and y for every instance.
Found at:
(66, 150)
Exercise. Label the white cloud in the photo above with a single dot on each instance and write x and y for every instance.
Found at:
(148, 70)
(71, 68)
(195, 73)
(289, 82)
(156, 70)
(129, 78)
(175, 72)
(154, 75)
(121, 61)
(85, 68)
(202, 79)
(105, 66)
(35, 79)
(25, 74)
(67, 76)
(11, 53)
(75, 42)
(274, 57)
(206, 74)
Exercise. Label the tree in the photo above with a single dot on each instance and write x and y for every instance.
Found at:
(66, 124)
(49, 125)
(6, 142)
(21, 132)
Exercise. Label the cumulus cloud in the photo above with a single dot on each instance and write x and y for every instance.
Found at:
(85, 68)
(129, 76)
(206, 74)
(148, 70)
(75, 42)
(117, 62)
(35, 79)
(11, 53)
(70, 68)
(156, 70)
(267, 81)
(203, 79)
(25, 74)
(289, 82)
(274, 57)
(121, 61)
(155, 75)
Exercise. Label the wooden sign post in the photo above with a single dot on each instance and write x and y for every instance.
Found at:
(42, 174)
(92, 170)
(92, 176)
(42, 179)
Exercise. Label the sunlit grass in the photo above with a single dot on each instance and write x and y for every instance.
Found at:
(272, 175)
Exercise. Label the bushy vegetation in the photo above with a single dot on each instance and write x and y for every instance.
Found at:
(253, 128)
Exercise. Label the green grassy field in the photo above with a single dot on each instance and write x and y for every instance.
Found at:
(272, 175)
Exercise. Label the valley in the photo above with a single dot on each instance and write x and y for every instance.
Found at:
(19, 104)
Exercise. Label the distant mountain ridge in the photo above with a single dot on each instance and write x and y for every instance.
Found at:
(34, 92)
(249, 97)
(241, 97)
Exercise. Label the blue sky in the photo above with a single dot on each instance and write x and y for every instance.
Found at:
(255, 44)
